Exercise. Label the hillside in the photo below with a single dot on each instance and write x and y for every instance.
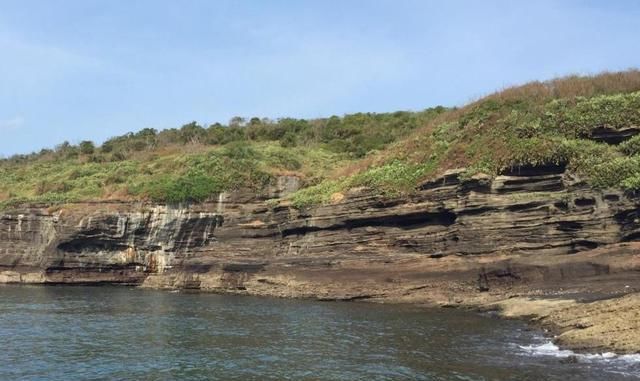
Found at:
(587, 124)
(524, 201)
(193, 163)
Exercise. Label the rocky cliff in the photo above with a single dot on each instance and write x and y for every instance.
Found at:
(534, 231)
(529, 224)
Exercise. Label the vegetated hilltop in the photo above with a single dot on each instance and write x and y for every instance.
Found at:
(193, 163)
(587, 123)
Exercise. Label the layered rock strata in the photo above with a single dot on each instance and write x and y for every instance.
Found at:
(531, 232)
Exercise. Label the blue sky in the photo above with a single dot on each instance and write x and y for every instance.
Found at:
(92, 69)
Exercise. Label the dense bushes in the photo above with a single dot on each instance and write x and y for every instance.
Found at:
(631, 146)
(354, 135)
(198, 177)
(173, 178)
(578, 117)
(535, 124)
(499, 133)
(193, 162)
(191, 187)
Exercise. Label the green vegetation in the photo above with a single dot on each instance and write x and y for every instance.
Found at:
(536, 124)
(193, 163)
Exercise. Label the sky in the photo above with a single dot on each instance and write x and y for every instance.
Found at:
(92, 69)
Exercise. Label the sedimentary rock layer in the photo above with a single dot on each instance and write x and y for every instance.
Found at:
(529, 232)
(531, 212)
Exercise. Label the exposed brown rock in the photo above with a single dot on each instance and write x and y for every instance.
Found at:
(595, 326)
(532, 232)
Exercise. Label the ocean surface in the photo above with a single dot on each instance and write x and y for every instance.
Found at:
(121, 333)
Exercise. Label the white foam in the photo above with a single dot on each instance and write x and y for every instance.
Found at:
(550, 349)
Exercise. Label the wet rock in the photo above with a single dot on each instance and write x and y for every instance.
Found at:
(456, 241)
(570, 360)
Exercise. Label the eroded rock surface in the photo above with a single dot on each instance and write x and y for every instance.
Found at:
(530, 232)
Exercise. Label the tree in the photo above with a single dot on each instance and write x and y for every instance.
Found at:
(87, 147)
(289, 139)
(192, 133)
(237, 121)
(64, 146)
(107, 146)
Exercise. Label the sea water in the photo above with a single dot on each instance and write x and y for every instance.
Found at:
(121, 333)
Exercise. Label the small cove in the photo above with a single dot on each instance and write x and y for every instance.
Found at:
(117, 333)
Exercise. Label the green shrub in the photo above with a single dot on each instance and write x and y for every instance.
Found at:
(240, 151)
(616, 172)
(317, 194)
(86, 147)
(192, 187)
(632, 146)
(118, 156)
(285, 159)
(288, 140)
(632, 183)
(392, 178)
(578, 117)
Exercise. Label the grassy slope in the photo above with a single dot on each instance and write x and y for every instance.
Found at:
(541, 122)
(193, 163)
(538, 123)
(174, 174)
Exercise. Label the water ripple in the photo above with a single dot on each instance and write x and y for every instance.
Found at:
(107, 333)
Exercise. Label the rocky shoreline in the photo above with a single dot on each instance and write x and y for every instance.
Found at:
(533, 243)
(610, 325)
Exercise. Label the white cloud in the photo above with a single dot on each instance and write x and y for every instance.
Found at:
(11, 123)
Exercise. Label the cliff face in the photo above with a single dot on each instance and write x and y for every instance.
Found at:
(531, 231)
(98, 243)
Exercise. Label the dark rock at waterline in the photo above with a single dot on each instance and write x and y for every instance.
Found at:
(530, 231)
(570, 360)
(537, 211)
